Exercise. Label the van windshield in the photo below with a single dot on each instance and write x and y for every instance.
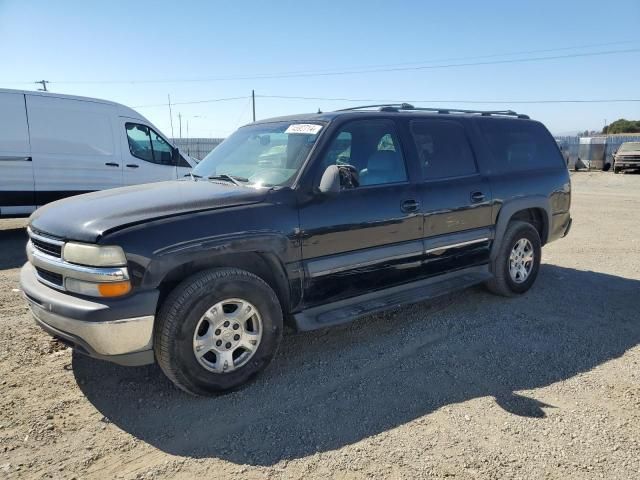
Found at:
(267, 154)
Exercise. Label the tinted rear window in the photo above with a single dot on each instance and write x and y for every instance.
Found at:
(443, 149)
(520, 145)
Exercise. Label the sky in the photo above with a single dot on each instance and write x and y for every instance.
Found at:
(439, 53)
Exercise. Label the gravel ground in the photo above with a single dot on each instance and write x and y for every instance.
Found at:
(468, 386)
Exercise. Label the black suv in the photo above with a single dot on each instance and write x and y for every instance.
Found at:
(309, 220)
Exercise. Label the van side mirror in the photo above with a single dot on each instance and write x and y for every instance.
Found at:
(175, 156)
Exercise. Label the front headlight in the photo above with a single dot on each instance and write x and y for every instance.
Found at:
(110, 289)
(94, 255)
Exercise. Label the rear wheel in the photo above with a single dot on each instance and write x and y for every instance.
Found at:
(517, 262)
(217, 330)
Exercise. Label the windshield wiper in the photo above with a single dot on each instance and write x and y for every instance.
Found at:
(192, 175)
(229, 178)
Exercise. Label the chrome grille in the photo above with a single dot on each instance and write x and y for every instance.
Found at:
(51, 278)
(53, 270)
(45, 244)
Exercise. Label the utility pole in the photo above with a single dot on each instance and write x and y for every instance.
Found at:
(188, 141)
(44, 85)
(180, 120)
(253, 104)
(170, 116)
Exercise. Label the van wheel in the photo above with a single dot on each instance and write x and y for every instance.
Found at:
(517, 262)
(217, 330)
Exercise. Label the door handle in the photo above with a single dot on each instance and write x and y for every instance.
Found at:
(410, 206)
(112, 164)
(477, 197)
(132, 165)
(15, 159)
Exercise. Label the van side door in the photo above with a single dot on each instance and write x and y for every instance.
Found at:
(455, 194)
(147, 156)
(73, 147)
(16, 167)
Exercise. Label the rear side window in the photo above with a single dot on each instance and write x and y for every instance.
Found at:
(518, 145)
(443, 149)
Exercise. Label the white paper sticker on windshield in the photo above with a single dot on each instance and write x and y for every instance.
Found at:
(304, 128)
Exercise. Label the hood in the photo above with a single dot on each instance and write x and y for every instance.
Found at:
(88, 217)
(628, 153)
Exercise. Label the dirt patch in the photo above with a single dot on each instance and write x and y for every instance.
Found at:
(469, 386)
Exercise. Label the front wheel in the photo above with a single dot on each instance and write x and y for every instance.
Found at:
(517, 262)
(217, 330)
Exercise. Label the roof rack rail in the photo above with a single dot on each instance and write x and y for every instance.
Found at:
(395, 107)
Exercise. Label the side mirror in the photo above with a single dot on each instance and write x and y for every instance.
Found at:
(175, 156)
(330, 181)
(338, 177)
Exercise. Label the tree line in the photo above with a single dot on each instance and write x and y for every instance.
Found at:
(622, 126)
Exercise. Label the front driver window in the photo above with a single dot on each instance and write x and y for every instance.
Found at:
(372, 147)
(162, 151)
(147, 145)
(139, 141)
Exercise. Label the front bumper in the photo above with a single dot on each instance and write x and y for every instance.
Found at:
(118, 330)
(626, 163)
(560, 226)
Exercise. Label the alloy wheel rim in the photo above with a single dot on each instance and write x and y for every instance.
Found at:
(227, 335)
(521, 260)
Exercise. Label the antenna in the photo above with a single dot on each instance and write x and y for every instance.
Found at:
(44, 85)
(253, 103)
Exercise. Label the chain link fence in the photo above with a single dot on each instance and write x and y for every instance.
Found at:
(595, 153)
(197, 148)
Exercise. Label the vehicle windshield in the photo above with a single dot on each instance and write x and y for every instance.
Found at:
(267, 154)
(629, 146)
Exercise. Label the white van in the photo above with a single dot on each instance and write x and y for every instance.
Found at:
(53, 146)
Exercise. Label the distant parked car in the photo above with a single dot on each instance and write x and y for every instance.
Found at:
(626, 157)
(53, 146)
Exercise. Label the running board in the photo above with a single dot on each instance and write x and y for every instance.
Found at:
(344, 311)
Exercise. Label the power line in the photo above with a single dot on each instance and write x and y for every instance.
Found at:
(341, 99)
(239, 121)
(452, 65)
(363, 70)
(403, 100)
(193, 102)
(475, 57)
(512, 53)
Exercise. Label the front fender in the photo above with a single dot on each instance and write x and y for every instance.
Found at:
(201, 252)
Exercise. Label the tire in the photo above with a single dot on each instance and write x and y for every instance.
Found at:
(503, 283)
(216, 292)
(616, 170)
